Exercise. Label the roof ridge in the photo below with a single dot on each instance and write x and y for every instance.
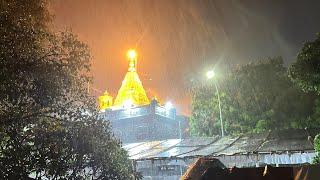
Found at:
(263, 141)
(229, 145)
(201, 147)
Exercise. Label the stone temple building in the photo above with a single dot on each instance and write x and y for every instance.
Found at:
(136, 118)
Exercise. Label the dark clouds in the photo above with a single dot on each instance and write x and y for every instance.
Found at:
(177, 39)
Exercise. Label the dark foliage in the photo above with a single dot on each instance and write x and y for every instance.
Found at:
(48, 120)
(255, 97)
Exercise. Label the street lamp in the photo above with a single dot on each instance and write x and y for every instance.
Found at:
(210, 74)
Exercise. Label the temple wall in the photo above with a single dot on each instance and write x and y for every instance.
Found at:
(145, 123)
(145, 128)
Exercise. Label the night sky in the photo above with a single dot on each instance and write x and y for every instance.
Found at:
(178, 39)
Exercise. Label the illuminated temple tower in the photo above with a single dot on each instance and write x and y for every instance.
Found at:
(134, 118)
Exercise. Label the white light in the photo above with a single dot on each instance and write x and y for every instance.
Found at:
(210, 74)
(132, 54)
(127, 104)
(168, 105)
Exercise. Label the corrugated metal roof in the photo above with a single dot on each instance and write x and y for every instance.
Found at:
(273, 141)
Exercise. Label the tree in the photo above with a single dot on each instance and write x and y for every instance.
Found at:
(317, 149)
(305, 71)
(204, 121)
(255, 97)
(49, 125)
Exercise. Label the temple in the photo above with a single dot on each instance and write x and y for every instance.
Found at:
(134, 117)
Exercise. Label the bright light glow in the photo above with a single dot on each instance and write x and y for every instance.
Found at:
(127, 104)
(168, 105)
(210, 74)
(131, 87)
(132, 54)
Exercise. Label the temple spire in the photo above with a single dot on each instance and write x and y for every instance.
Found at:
(131, 91)
(132, 56)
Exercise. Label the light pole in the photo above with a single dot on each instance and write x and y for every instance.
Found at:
(210, 75)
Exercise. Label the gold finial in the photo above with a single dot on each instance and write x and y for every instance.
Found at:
(132, 56)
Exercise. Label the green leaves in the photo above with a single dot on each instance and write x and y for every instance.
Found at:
(305, 71)
(317, 149)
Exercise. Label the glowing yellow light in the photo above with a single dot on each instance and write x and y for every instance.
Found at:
(132, 54)
(105, 101)
(131, 92)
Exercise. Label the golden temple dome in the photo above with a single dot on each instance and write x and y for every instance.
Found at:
(105, 101)
(131, 92)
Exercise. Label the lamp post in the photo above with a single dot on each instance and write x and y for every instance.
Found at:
(210, 75)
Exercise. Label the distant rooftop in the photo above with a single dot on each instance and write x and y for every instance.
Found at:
(268, 142)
